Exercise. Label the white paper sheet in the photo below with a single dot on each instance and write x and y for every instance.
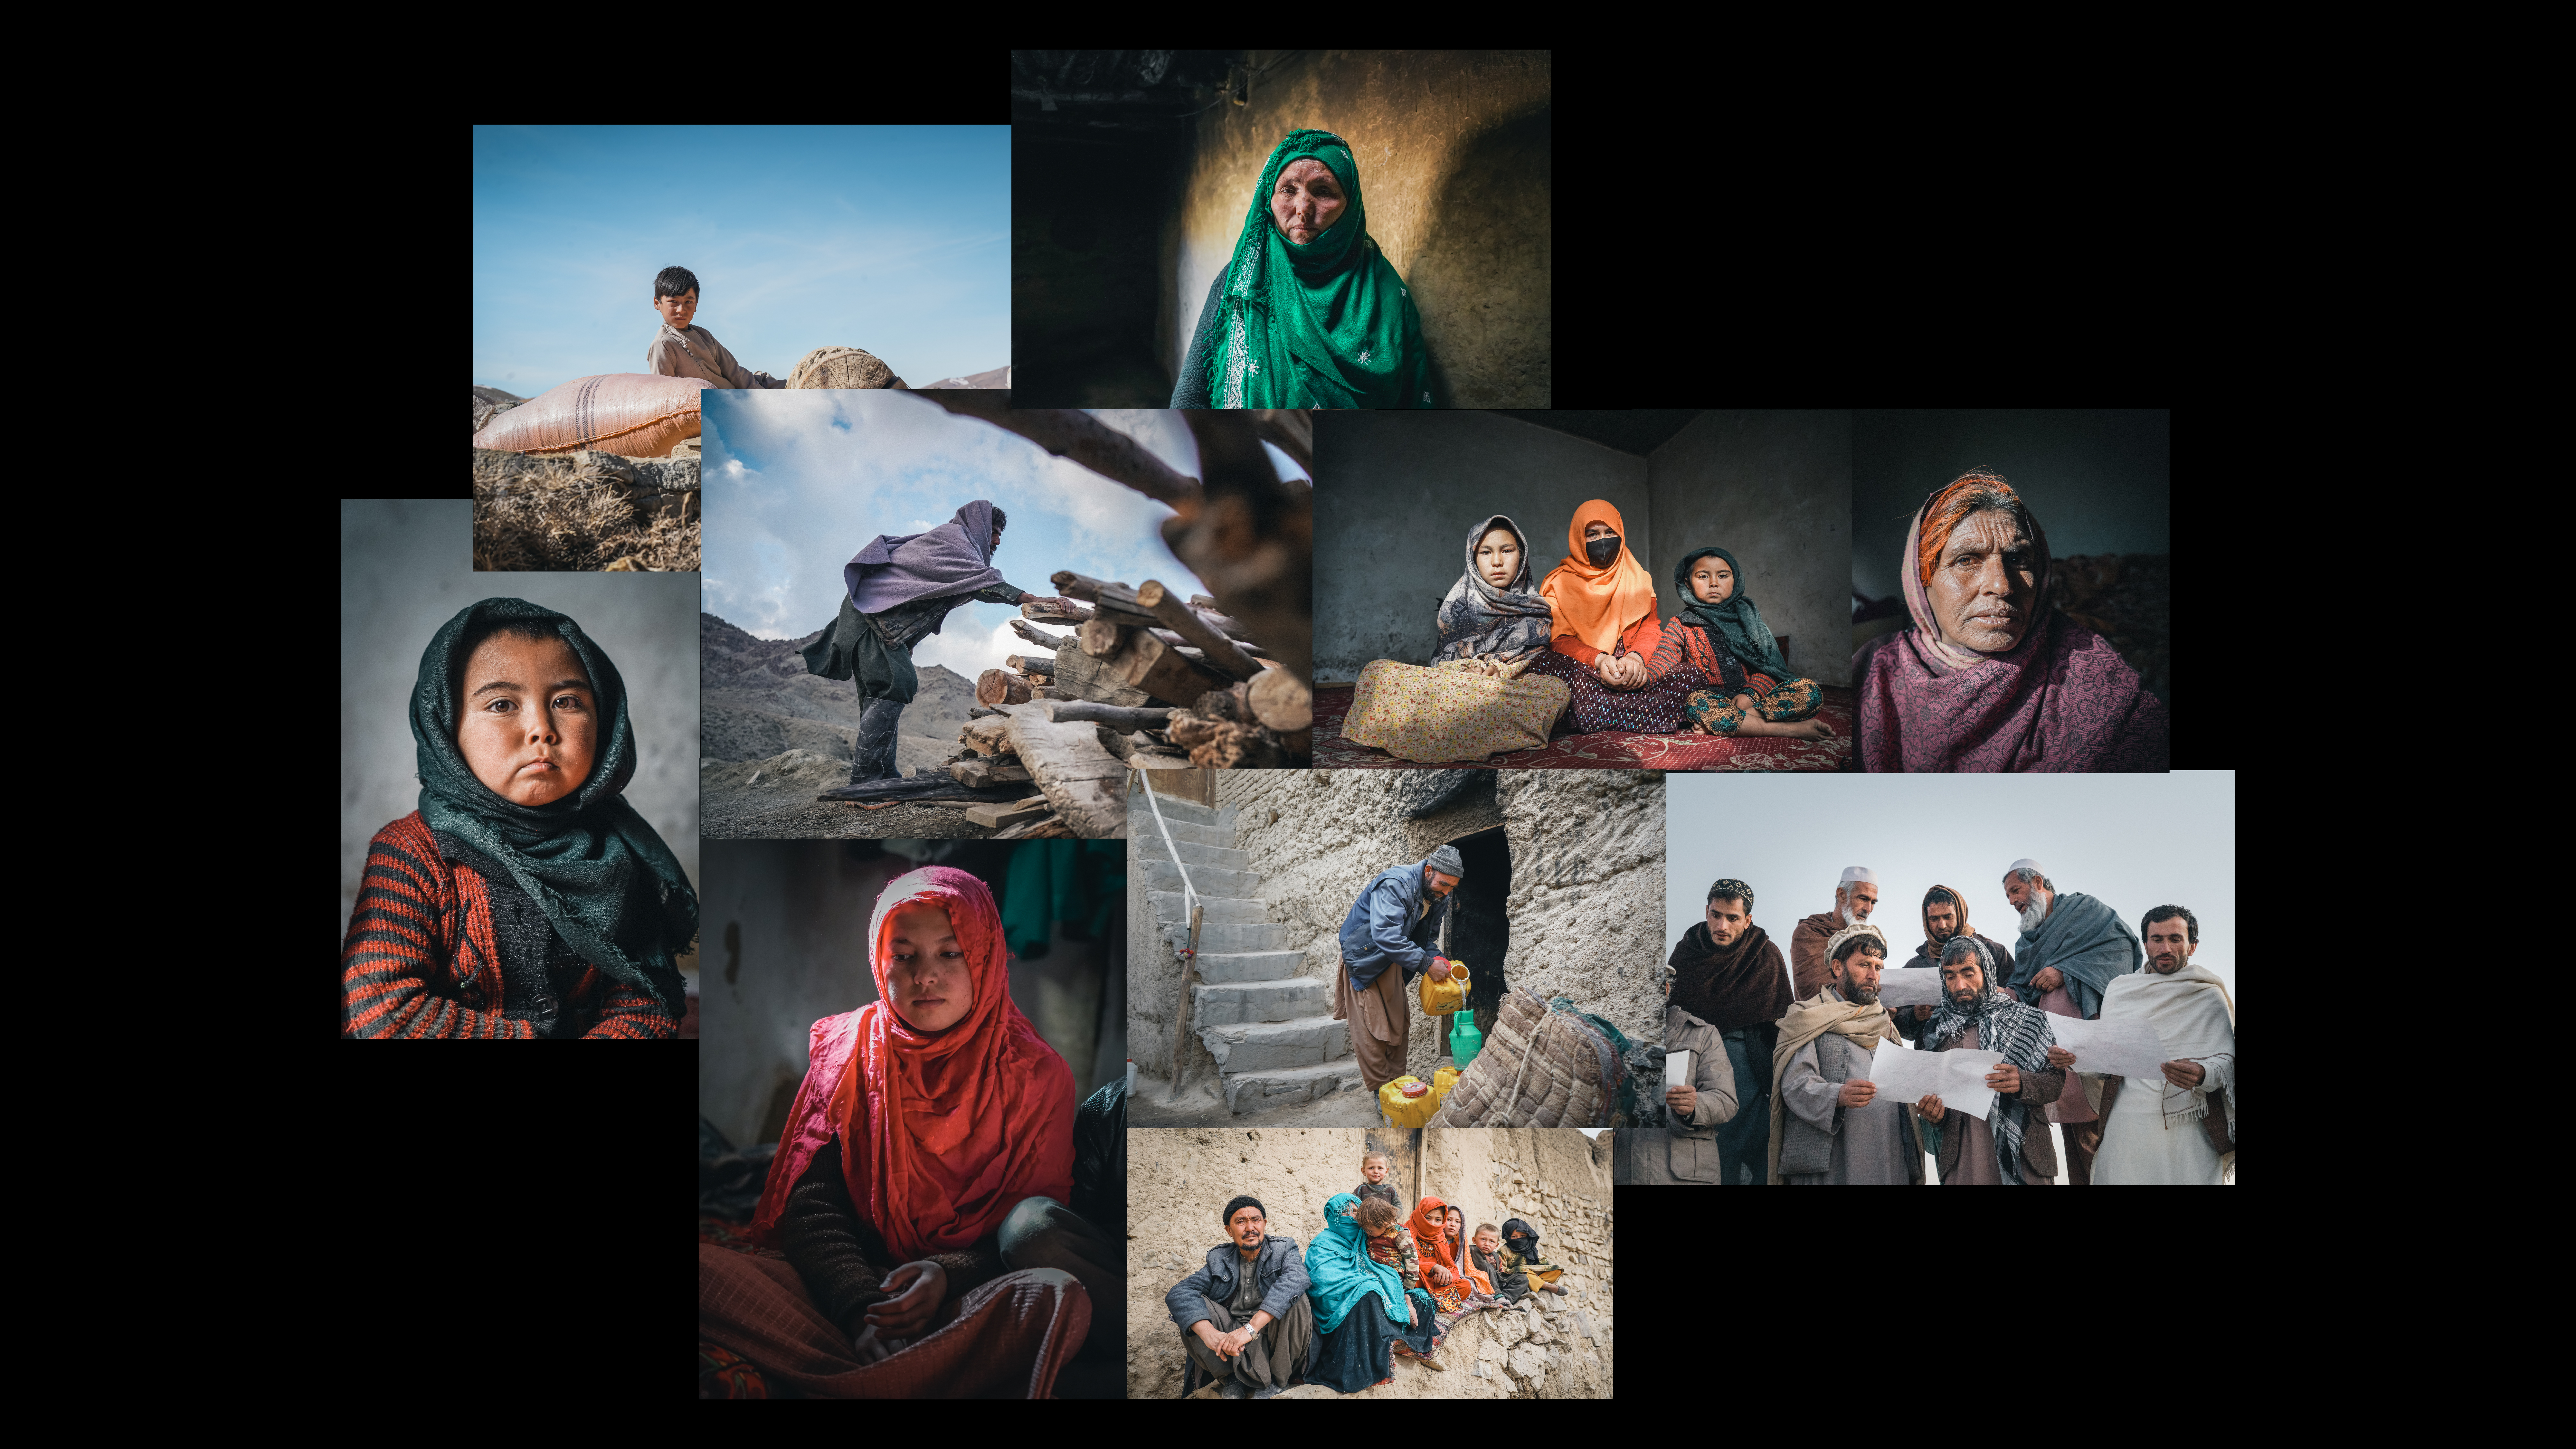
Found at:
(2112, 1048)
(1957, 1077)
(1677, 1069)
(1910, 986)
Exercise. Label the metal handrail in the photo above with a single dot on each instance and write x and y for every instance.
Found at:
(1189, 893)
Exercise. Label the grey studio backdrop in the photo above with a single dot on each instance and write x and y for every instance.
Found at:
(405, 569)
(1396, 493)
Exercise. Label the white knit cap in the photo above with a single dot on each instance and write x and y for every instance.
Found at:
(2029, 865)
(1858, 872)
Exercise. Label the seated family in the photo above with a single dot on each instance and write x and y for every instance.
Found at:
(524, 898)
(923, 1188)
(1374, 1286)
(1513, 660)
(1992, 676)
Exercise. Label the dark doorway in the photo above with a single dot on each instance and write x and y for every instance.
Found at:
(1480, 933)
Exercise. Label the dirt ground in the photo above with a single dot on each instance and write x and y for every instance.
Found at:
(780, 805)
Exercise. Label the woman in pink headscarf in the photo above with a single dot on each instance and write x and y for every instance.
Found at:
(918, 1192)
(1992, 676)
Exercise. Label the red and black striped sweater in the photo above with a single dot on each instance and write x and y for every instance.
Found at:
(420, 959)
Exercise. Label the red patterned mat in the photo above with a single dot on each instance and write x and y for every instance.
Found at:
(1610, 749)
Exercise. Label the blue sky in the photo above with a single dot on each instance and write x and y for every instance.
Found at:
(888, 238)
(797, 482)
(2133, 841)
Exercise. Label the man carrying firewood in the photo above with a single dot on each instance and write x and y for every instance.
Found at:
(899, 589)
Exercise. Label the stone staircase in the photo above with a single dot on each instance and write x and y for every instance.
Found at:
(1270, 1029)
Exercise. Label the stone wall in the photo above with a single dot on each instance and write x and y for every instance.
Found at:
(1586, 905)
(1178, 1180)
(1454, 159)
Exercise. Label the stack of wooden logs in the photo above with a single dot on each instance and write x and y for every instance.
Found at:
(1227, 702)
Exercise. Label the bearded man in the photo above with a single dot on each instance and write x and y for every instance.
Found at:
(2072, 947)
(1828, 1124)
(1945, 916)
(1728, 973)
(2162, 1131)
(2009, 1146)
(1855, 896)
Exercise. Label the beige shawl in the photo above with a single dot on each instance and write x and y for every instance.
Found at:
(696, 353)
(1826, 1011)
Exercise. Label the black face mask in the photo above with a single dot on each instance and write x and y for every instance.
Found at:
(1602, 550)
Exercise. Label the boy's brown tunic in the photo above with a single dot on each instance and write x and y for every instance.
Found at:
(694, 352)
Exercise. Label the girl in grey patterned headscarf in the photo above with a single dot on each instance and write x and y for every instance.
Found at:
(1482, 620)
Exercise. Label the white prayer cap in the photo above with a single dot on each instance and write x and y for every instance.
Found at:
(1858, 872)
(2025, 864)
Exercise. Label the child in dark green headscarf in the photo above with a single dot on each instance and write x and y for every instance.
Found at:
(1722, 635)
(524, 898)
(1308, 313)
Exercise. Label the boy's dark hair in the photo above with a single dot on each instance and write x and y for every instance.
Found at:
(1001, 519)
(1860, 943)
(675, 282)
(2190, 922)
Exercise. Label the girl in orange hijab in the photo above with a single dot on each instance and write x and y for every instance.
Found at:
(1605, 633)
(920, 1183)
(1447, 1283)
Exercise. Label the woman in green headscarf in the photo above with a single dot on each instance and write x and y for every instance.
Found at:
(1720, 634)
(1308, 313)
(524, 898)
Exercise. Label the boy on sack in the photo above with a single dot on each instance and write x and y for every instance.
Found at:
(1374, 1167)
(680, 350)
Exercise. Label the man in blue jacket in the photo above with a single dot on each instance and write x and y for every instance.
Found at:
(1395, 922)
(1243, 1316)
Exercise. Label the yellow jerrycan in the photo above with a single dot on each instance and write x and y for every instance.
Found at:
(1440, 998)
(1408, 1101)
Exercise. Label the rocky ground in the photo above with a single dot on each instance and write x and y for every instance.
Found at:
(1558, 1347)
(584, 511)
(772, 736)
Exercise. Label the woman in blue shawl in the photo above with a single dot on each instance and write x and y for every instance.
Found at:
(1360, 1306)
(1720, 634)
(1474, 701)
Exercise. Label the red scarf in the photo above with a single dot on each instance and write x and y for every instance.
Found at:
(941, 1136)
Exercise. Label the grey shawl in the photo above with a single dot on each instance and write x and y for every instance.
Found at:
(1477, 618)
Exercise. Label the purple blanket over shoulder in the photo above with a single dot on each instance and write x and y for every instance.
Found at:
(954, 558)
(2064, 700)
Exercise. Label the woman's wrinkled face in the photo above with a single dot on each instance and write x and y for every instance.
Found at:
(1985, 582)
(1307, 201)
(530, 726)
(1498, 557)
(928, 982)
(1712, 580)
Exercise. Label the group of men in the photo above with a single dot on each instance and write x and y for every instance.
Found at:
(1779, 1088)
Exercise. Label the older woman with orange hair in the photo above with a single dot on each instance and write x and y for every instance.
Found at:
(1992, 677)
(1604, 634)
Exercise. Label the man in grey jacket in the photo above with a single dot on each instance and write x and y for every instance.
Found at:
(1686, 1151)
(1244, 1317)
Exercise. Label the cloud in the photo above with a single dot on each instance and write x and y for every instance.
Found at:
(799, 481)
(966, 646)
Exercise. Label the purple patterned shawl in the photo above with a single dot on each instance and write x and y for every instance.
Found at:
(2061, 700)
(954, 558)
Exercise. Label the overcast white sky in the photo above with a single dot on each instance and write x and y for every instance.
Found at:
(798, 481)
(2134, 841)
